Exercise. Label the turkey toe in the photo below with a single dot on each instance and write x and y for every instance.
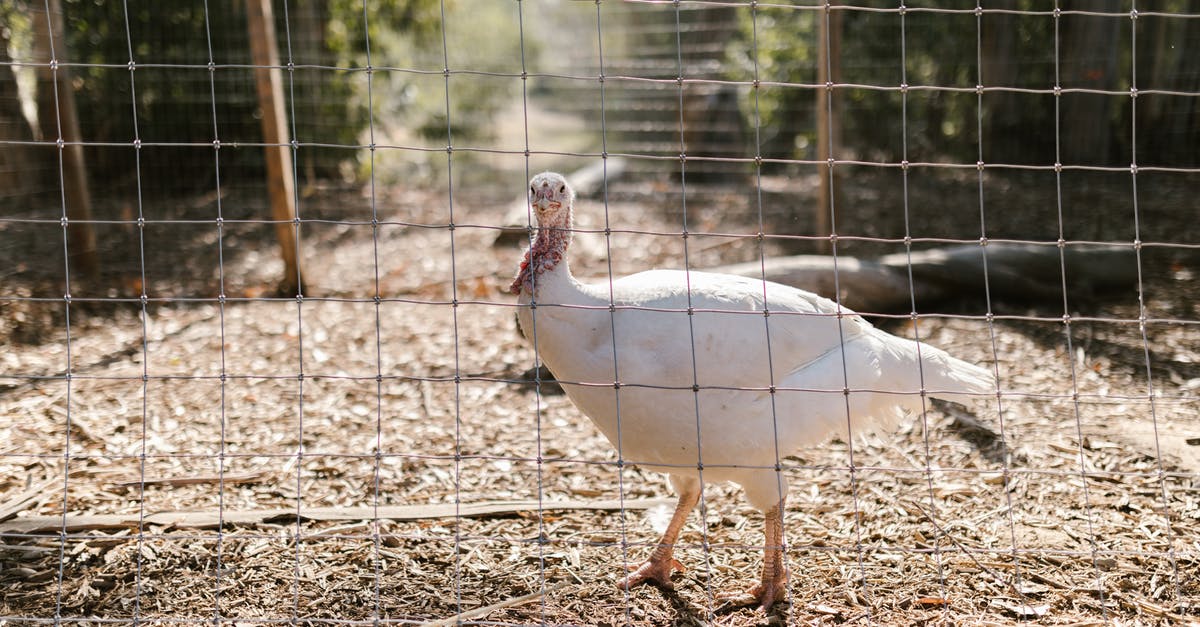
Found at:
(651, 571)
(713, 377)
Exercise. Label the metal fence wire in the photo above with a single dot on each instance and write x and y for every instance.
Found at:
(260, 364)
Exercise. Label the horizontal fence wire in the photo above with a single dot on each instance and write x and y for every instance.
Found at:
(460, 446)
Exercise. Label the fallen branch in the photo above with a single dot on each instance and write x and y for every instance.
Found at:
(480, 612)
(197, 480)
(73, 523)
(25, 500)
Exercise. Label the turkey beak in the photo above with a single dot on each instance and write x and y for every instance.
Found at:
(542, 202)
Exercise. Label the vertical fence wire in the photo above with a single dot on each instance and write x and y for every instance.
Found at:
(626, 562)
(222, 436)
(1087, 504)
(1141, 301)
(852, 468)
(376, 471)
(1172, 558)
(69, 366)
(780, 482)
(532, 331)
(450, 227)
(989, 315)
(990, 319)
(301, 288)
(688, 268)
(916, 319)
(145, 324)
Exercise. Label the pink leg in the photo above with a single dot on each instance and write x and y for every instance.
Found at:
(661, 564)
(773, 587)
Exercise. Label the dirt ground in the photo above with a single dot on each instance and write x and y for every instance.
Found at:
(1086, 511)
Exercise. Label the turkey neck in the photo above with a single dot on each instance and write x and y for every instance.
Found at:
(549, 249)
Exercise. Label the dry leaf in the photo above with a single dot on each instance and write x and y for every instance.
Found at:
(1022, 610)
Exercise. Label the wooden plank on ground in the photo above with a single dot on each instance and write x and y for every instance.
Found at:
(228, 479)
(210, 519)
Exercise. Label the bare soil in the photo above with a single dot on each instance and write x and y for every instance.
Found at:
(397, 381)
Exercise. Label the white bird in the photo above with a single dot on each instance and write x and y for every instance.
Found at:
(715, 377)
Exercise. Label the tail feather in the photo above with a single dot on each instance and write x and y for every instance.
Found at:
(950, 378)
(885, 376)
(908, 366)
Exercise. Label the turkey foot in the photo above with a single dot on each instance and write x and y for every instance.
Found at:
(769, 593)
(773, 586)
(661, 564)
(764, 595)
(662, 424)
(655, 571)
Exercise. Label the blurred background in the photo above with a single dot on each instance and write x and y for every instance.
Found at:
(183, 169)
(156, 85)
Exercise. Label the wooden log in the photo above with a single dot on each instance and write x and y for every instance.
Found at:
(281, 184)
(861, 284)
(1020, 272)
(1023, 272)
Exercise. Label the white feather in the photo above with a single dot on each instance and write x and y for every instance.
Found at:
(831, 371)
(715, 376)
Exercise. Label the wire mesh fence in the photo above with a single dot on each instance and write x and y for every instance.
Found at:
(189, 435)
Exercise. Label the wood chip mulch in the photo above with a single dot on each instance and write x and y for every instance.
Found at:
(184, 496)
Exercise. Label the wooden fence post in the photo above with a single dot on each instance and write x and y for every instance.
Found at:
(281, 185)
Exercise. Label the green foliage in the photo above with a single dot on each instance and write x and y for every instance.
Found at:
(332, 100)
(416, 104)
(783, 42)
(385, 19)
(172, 97)
(1023, 47)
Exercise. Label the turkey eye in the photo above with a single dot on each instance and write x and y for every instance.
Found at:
(562, 188)
(532, 190)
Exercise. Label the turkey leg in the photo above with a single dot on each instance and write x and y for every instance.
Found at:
(662, 563)
(773, 587)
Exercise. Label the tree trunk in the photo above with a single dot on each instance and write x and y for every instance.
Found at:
(59, 121)
(1169, 126)
(1089, 61)
(308, 24)
(20, 174)
(829, 135)
(1006, 132)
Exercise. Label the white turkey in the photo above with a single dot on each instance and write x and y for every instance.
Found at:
(715, 377)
